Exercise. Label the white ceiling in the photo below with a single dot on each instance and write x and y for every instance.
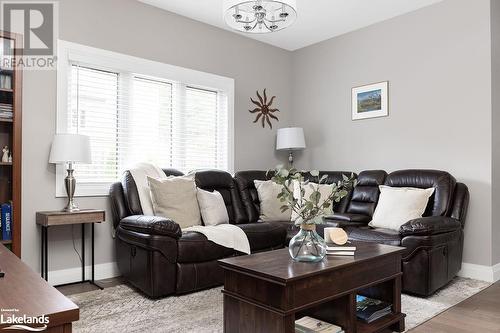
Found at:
(317, 20)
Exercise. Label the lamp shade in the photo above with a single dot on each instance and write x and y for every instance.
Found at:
(290, 138)
(70, 148)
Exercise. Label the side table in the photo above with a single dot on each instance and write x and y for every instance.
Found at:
(54, 218)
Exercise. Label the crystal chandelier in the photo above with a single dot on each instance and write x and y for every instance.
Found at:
(259, 16)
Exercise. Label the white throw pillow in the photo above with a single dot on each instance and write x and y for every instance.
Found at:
(324, 189)
(269, 203)
(212, 207)
(175, 198)
(398, 205)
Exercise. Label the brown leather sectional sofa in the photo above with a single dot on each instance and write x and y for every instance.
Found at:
(155, 256)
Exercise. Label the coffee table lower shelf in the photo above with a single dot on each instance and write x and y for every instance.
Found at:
(380, 324)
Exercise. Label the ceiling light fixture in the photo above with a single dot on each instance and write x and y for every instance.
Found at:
(259, 16)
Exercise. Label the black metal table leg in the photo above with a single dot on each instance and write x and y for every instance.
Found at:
(83, 252)
(46, 252)
(41, 251)
(92, 230)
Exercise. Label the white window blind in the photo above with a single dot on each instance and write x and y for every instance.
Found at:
(134, 118)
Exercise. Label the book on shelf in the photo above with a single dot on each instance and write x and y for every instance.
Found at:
(369, 309)
(6, 215)
(312, 325)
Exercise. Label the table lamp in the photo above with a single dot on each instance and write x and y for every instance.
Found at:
(68, 149)
(290, 138)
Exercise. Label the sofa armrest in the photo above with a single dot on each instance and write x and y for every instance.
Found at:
(431, 225)
(155, 225)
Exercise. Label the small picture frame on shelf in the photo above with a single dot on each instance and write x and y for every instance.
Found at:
(370, 101)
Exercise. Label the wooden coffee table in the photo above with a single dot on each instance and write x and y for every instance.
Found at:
(267, 292)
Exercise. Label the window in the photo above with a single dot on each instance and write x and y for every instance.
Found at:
(176, 118)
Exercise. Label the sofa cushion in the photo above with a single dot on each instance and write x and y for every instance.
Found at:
(195, 247)
(223, 182)
(270, 205)
(398, 205)
(212, 207)
(374, 235)
(248, 192)
(348, 217)
(175, 198)
(265, 235)
(440, 204)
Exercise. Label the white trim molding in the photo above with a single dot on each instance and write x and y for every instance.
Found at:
(69, 275)
(480, 272)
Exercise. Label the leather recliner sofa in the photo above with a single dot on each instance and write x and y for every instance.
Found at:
(155, 256)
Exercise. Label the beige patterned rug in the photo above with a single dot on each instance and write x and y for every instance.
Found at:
(123, 309)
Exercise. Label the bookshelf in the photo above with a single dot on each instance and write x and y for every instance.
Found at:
(10, 134)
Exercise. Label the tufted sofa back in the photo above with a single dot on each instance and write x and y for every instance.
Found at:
(223, 182)
(441, 202)
(250, 198)
(365, 195)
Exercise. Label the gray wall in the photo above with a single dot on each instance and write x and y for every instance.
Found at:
(133, 28)
(495, 89)
(438, 64)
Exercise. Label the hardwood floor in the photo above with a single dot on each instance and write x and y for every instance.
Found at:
(480, 313)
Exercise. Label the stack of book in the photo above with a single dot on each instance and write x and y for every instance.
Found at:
(340, 250)
(312, 325)
(369, 309)
(5, 111)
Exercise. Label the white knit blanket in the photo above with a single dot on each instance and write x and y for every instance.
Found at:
(227, 235)
(140, 173)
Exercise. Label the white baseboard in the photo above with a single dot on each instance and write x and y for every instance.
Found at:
(480, 272)
(101, 271)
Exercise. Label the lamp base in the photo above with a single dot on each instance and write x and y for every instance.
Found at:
(290, 158)
(71, 207)
(70, 184)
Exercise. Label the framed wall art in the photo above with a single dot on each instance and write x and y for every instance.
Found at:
(370, 101)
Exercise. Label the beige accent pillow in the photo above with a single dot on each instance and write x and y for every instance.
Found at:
(269, 203)
(212, 207)
(175, 198)
(398, 205)
(324, 189)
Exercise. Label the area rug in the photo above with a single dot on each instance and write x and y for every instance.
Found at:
(123, 309)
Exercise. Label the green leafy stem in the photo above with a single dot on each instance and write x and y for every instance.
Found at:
(309, 210)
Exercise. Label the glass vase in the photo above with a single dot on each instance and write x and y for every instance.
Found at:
(307, 245)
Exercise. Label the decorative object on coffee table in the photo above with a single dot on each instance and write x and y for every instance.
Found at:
(307, 245)
(69, 149)
(335, 235)
(290, 138)
(264, 110)
(370, 101)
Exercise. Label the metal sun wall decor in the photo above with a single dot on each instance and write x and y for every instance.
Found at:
(264, 111)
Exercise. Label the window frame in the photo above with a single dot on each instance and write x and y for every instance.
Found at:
(69, 53)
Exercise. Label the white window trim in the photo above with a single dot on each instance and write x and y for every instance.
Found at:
(72, 52)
